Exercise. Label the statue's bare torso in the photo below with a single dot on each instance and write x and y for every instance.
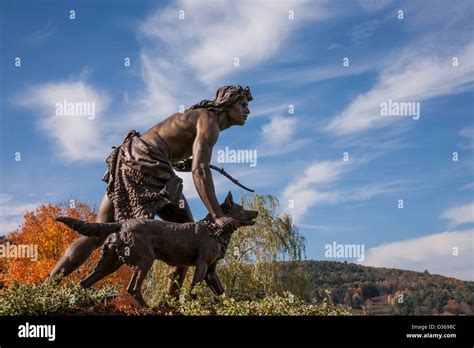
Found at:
(179, 132)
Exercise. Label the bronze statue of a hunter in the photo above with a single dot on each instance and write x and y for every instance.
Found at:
(141, 182)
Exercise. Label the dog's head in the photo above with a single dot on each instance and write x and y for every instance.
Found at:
(236, 211)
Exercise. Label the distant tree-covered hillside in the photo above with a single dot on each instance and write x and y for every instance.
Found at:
(373, 290)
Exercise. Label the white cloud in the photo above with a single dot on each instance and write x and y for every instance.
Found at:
(318, 186)
(410, 78)
(179, 56)
(5, 198)
(213, 33)
(312, 74)
(303, 200)
(309, 196)
(279, 130)
(279, 136)
(373, 5)
(303, 193)
(11, 214)
(469, 186)
(166, 86)
(16, 209)
(44, 32)
(321, 172)
(189, 190)
(364, 31)
(459, 215)
(9, 225)
(371, 190)
(433, 252)
(269, 109)
(76, 137)
(467, 134)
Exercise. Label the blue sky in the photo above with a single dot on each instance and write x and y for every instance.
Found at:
(286, 60)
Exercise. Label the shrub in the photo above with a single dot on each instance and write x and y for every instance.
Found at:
(49, 298)
(243, 305)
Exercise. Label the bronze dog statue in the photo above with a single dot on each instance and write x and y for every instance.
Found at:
(138, 242)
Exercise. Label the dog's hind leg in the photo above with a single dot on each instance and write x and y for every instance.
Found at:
(108, 263)
(177, 276)
(139, 274)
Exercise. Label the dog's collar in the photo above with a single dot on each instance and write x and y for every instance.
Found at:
(211, 227)
(215, 231)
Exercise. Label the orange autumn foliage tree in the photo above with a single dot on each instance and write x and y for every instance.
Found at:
(52, 239)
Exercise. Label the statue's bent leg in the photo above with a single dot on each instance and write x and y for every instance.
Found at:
(80, 250)
(76, 254)
(181, 214)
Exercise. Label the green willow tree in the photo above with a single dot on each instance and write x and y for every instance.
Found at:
(250, 263)
(250, 266)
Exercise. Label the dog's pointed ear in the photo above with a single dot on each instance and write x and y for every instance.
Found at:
(229, 200)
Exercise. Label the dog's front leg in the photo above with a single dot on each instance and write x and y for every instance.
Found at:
(199, 275)
(215, 283)
(213, 280)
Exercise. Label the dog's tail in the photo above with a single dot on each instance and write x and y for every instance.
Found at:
(90, 229)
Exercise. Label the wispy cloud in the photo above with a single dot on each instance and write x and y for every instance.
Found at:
(279, 136)
(182, 66)
(436, 253)
(213, 33)
(462, 214)
(364, 31)
(411, 78)
(269, 109)
(374, 5)
(320, 185)
(467, 135)
(189, 190)
(166, 86)
(279, 129)
(11, 213)
(5, 198)
(45, 32)
(469, 186)
(303, 191)
(311, 74)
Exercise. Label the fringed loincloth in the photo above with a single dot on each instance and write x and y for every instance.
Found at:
(141, 181)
